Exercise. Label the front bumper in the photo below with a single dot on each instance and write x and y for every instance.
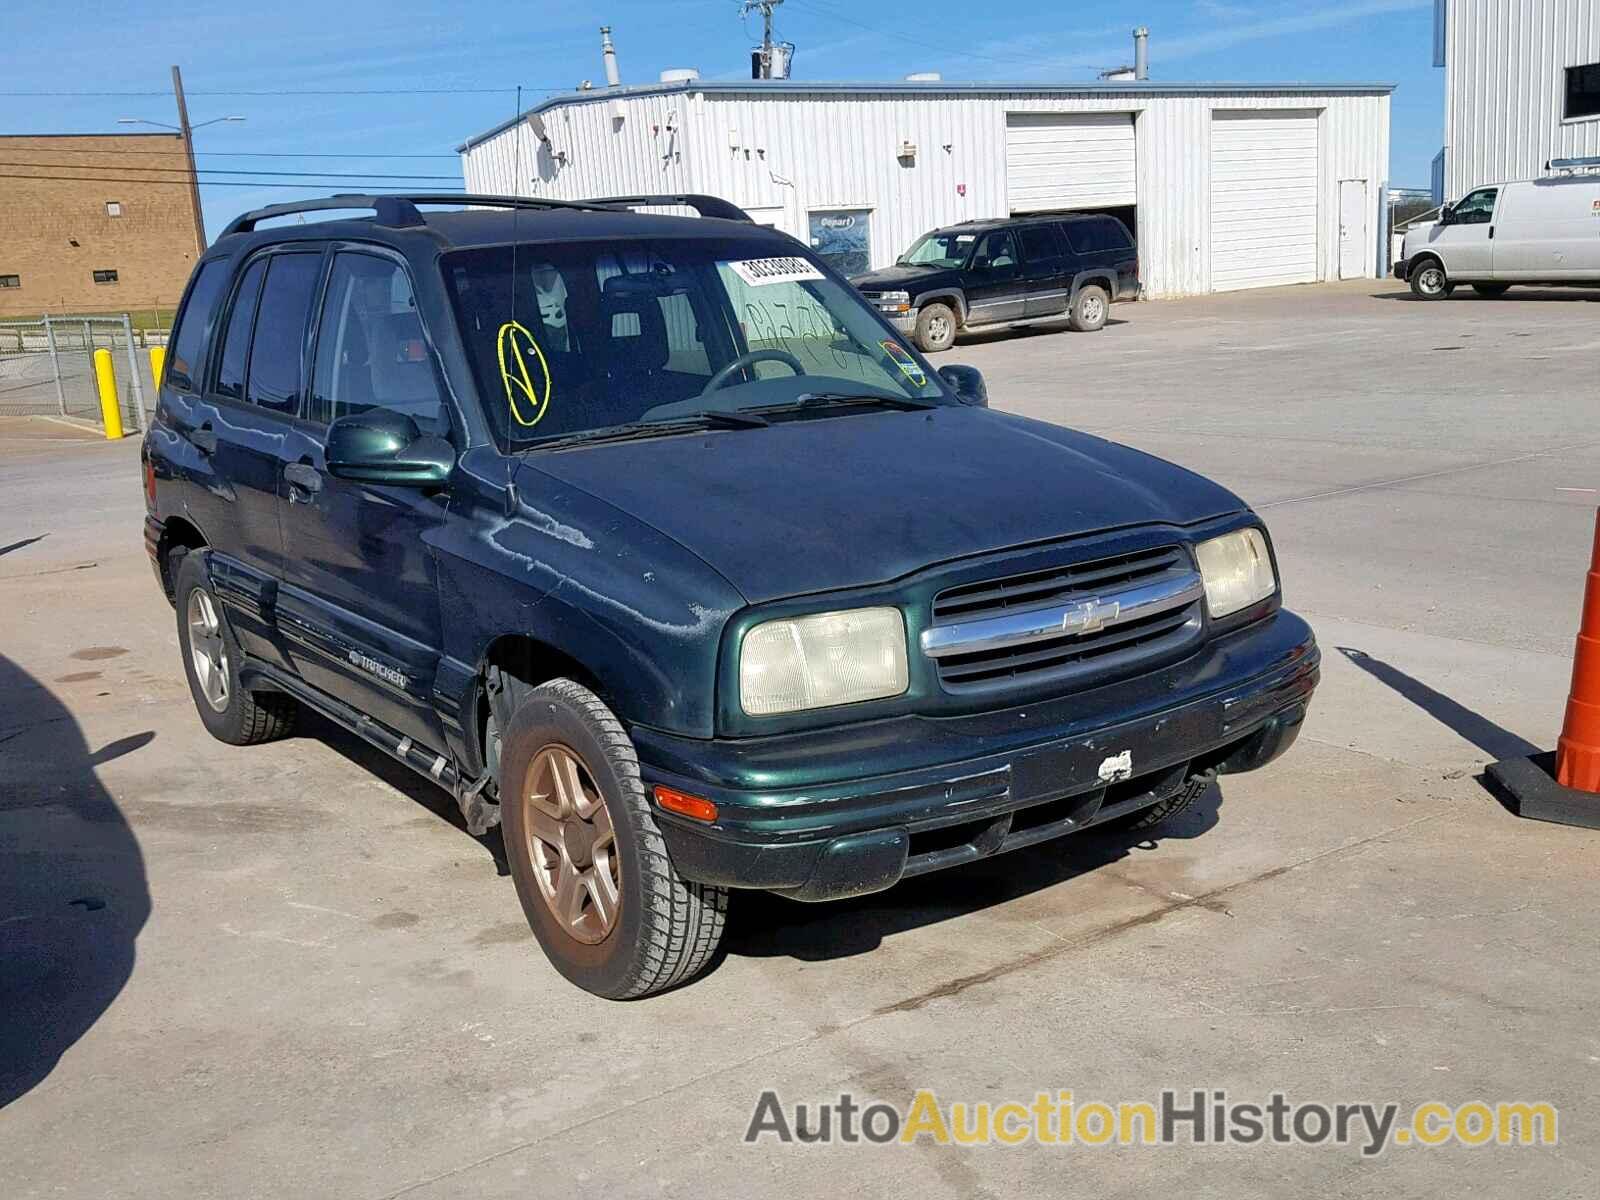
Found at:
(904, 322)
(825, 814)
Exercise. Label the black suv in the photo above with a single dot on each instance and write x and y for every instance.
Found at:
(647, 537)
(1006, 272)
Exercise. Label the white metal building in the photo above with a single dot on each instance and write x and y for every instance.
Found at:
(1522, 86)
(1226, 186)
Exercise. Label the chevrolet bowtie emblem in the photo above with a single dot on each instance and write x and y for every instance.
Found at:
(1090, 617)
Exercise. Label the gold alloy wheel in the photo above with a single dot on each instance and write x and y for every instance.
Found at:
(573, 845)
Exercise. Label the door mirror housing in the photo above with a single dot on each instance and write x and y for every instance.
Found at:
(967, 383)
(1444, 214)
(383, 446)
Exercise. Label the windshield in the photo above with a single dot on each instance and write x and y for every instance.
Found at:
(940, 250)
(617, 334)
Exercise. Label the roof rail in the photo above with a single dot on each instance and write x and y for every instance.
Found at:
(706, 206)
(399, 210)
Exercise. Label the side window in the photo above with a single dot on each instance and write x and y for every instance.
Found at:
(1095, 235)
(1476, 208)
(1038, 243)
(184, 353)
(996, 250)
(370, 348)
(276, 367)
(236, 343)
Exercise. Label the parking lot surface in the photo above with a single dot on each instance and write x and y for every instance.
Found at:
(289, 971)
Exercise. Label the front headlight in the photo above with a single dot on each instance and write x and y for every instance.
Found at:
(822, 660)
(894, 301)
(1237, 570)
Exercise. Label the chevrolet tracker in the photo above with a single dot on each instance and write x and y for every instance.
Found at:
(647, 538)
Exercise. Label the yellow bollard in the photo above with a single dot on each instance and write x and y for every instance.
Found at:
(110, 413)
(158, 363)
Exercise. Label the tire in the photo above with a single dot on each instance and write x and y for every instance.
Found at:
(1491, 291)
(1429, 281)
(1090, 307)
(1178, 802)
(936, 328)
(662, 929)
(211, 663)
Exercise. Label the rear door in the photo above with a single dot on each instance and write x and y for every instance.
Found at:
(1045, 270)
(359, 604)
(994, 284)
(240, 425)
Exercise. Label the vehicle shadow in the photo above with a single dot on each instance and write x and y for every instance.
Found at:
(1011, 333)
(764, 925)
(73, 895)
(1494, 740)
(402, 778)
(1516, 294)
(23, 544)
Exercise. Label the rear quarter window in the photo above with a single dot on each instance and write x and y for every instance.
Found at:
(1098, 234)
(188, 335)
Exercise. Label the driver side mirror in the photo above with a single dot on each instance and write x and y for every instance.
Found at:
(383, 446)
(967, 383)
(1445, 214)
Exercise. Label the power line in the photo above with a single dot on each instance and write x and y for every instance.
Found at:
(203, 183)
(218, 171)
(200, 153)
(497, 91)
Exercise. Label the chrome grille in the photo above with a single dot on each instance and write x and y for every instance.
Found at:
(1081, 623)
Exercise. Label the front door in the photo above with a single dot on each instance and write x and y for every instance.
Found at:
(994, 284)
(1465, 242)
(1353, 242)
(359, 604)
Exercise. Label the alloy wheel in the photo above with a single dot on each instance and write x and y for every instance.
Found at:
(206, 649)
(1094, 310)
(573, 844)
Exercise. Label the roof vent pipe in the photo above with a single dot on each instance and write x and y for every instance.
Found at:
(1141, 53)
(609, 53)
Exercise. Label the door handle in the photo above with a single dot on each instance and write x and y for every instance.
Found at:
(304, 480)
(204, 439)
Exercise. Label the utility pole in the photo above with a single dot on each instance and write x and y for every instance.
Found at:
(765, 7)
(187, 133)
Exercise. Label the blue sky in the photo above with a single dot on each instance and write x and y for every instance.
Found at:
(415, 50)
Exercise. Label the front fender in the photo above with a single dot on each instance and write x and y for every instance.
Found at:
(642, 614)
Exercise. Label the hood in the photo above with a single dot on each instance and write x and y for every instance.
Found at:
(1418, 236)
(850, 500)
(905, 278)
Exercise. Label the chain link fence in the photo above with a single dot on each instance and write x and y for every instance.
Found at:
(47, 367)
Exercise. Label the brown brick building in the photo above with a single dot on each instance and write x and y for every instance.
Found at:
(94, 223)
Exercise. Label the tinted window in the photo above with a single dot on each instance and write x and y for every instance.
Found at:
(184, 352)
(276, 367)
(1476, 208)
(1583, 91)
(1038, 242)
(370, 349)
(236, 346)
(997, 249)
(1096, 234)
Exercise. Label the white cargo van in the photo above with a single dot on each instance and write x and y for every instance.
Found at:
(1542, 231)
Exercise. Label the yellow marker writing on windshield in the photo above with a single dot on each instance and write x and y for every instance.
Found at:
(902, 359)
(528, 403)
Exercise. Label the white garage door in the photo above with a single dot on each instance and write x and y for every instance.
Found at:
(1263, 199)
(1069, 160)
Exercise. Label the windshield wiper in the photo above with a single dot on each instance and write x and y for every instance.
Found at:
(635, 430)
(812, 400)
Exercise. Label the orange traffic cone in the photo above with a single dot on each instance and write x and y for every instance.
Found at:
(1578, 751)
(1565, 786)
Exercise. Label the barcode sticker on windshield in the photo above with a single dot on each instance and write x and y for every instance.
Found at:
(758, 272)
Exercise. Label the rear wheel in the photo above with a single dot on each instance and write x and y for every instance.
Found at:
(591, 868)
(936, 328)
(1429, 282)
(211, 660)
(1089, 308)
(1490, 291)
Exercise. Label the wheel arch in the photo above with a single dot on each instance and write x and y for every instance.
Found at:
(953, 297)
(532, 662)
(176, 532)
(1104, 276)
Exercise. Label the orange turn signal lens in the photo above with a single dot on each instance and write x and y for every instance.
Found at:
(696, 807)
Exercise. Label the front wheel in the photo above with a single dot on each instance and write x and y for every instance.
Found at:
(1429, 282)
(590, 865)
(1089, 309)
(936, 328)
(1490, 291)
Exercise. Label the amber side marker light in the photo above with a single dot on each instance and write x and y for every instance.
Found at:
(686, 805)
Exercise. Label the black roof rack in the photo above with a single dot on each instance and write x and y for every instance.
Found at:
(400, 210)
(706, 206)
